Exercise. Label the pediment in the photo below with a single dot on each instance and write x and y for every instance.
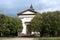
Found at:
(28, 12)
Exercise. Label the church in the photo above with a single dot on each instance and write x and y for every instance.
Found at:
(26, 16)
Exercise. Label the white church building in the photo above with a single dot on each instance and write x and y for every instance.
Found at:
(26, 16)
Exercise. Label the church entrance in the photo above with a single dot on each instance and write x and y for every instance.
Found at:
(28, 31)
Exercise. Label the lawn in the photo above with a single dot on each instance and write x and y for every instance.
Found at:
(48, 38)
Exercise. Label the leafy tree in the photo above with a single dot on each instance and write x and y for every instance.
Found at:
(36, 23)
(9, 25)
(47, 23)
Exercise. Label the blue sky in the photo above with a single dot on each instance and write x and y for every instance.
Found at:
(12, 7)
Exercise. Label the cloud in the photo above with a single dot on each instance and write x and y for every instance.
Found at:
(12, 7)
(49, 5)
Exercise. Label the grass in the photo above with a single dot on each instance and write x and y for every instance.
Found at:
(48, 38)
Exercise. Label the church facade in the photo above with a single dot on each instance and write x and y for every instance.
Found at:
(26, 16)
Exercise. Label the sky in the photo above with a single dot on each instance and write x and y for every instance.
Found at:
(12, 7)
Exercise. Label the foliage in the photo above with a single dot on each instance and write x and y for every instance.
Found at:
(9, 25)
(35, 23)
(47, 23)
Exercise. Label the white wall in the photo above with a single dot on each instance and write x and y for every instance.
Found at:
(26, 18)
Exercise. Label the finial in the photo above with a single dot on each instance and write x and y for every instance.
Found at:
(31, 7)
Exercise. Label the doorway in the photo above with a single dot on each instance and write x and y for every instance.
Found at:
(28, 29)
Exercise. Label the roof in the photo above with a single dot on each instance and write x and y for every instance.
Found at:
(25, 11)
(30, 9)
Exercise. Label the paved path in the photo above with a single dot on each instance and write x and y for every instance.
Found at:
(16, 38)
(24, 38)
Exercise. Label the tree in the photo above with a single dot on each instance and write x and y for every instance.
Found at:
(36, 23)
(47, 23)
(10, 25)
(49, 20)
